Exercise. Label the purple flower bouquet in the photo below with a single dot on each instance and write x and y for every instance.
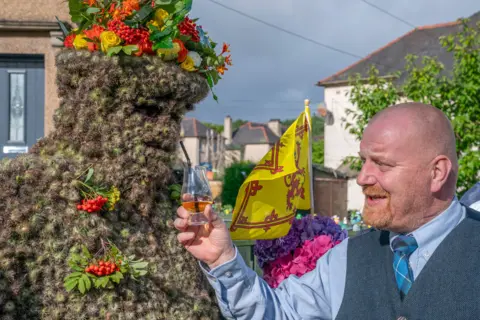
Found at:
(296, 253)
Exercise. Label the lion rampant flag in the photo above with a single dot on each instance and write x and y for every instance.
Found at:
(278, 186)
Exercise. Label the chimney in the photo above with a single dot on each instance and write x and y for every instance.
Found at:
(227, 130)
(275, 126)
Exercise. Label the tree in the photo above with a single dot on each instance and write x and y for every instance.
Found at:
(457, 95)
(318, 151)
(218, 128)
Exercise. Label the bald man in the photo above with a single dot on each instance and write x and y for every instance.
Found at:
(420, 260)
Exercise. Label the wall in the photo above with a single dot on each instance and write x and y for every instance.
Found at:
(192, 145)
(338, 142)
(232, 156)
(34, 10)
(330, 197)
(255, 152)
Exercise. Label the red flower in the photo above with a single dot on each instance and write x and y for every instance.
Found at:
(144, 46)
(68, 42)
(226, 48)
(182, 54)
(188, 28)
(228, 60)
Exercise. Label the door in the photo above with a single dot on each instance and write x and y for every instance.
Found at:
(22, 100)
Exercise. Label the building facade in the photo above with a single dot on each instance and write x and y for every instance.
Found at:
(28, 93)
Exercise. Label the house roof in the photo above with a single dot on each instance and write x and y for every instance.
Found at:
(193, 128)
(421, 41)
(254, 133)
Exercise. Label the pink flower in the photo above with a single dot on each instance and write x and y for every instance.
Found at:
(303, 260)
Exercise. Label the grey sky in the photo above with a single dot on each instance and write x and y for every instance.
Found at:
(271, 68)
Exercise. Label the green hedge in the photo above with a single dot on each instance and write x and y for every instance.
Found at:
(233, 179)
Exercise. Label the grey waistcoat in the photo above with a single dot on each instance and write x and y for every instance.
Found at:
(448, 287)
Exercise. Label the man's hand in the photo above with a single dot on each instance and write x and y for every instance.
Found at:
(210, 243)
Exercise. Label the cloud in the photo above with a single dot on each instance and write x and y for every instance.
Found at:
(271, 66)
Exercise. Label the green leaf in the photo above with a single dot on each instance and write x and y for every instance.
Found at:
(77, 268)
(71, 284)
(114, 50)
(140, 265)
(143, 14)
(86, 279)
(63, 27)
(85, 251)
(209, 79)
(164, 44)
(91, 10)
(130, 49)
(89, 175)
(74, 275)
(188, 5)
(142, 272)
(116, 277)
(162, 2)
(179, 6)
(75, 8)
(104, 281)
(158, 35)
(81, 285)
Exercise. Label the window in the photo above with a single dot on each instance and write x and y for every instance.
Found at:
(17, 107)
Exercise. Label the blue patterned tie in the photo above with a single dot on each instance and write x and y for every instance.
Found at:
(403, 247)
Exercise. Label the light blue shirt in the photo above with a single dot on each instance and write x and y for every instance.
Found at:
(242, 294)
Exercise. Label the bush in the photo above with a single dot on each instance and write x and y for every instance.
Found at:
(233, 179)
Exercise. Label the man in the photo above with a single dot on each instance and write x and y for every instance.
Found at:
(420, 262)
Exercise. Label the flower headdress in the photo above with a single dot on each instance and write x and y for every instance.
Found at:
(146, 27)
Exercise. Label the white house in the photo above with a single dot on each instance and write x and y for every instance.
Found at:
(339, 143)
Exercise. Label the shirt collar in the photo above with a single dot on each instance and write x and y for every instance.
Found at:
(436, 229)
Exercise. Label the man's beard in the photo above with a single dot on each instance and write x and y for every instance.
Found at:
(379, 216)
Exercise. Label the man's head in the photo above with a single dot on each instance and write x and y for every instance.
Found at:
(409, 167)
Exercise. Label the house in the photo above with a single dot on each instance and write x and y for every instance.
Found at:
(339, 143)
(251, 141)
(202, 144)
(28, 96)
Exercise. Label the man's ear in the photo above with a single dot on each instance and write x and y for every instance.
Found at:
(441, 170)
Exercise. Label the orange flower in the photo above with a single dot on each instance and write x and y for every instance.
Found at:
(228, 60)
(94, 32)
(129, 6)
(90, 2)
(226, 48)
(221, 69)
(182, 54)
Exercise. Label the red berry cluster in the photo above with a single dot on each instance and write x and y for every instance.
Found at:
(102, 269)
(92, 205)
(189, 28)
(128, 34)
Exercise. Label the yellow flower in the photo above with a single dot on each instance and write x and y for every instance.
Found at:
(169, 54)
(188, 64)
(80, 42)
(160, 16)
(113, 197)
(153, 23)
(109, 39)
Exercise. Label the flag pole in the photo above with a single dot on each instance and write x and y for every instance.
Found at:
(310, 160)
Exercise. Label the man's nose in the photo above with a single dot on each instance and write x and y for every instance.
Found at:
(366, 176)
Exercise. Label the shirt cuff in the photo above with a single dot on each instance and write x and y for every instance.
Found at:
(227, 273)
(224, 277)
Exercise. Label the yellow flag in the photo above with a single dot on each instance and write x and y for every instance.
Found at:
(278, 186)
